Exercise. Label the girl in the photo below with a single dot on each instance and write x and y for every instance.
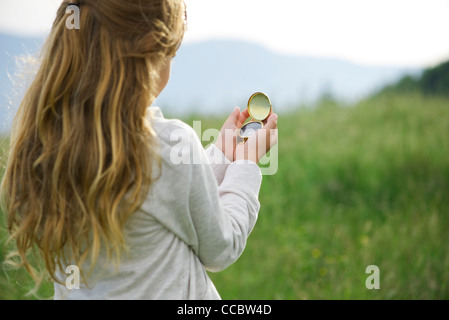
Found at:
(90, 180)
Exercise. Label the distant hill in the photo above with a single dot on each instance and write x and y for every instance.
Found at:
(218, 75)
(215, 76)
(433, 81)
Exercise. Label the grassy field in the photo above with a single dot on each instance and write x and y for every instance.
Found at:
(356, 186)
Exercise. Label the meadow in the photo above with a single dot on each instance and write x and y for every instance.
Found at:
(357, 185)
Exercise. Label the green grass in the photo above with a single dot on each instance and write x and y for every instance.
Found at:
(356, 186)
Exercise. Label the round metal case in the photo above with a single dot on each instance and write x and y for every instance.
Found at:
(259, 109)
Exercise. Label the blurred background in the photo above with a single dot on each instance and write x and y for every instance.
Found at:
(362, 93)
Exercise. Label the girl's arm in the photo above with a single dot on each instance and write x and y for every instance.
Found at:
(223, 216)
(218, 161)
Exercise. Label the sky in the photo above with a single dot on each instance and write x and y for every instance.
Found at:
(409, 33)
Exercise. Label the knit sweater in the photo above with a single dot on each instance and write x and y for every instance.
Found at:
(196, 218)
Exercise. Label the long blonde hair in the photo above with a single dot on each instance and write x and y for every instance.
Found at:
(81, 153)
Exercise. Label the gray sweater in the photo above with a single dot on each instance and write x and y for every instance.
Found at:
(197, 217)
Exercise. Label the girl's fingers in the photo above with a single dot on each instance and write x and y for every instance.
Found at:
(243, 116)
(272, 122)
(234, 116)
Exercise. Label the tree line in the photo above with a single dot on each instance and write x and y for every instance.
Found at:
(432, 81)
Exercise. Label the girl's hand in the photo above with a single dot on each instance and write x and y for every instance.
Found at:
(227, 139)
(259, 143)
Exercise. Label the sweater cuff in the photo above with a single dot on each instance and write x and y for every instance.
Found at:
(245, 173)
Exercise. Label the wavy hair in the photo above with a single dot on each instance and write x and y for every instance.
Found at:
(82, 150)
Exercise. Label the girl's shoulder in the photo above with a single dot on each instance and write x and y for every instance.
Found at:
(176, 137)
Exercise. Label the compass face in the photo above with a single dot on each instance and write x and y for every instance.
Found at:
(249, 128)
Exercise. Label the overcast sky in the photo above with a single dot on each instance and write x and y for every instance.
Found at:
(374, 32)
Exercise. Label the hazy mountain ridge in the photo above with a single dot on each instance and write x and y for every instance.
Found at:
(215, 76)
(227, 72)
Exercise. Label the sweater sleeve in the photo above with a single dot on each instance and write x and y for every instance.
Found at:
(223, 216)
(218, 162)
